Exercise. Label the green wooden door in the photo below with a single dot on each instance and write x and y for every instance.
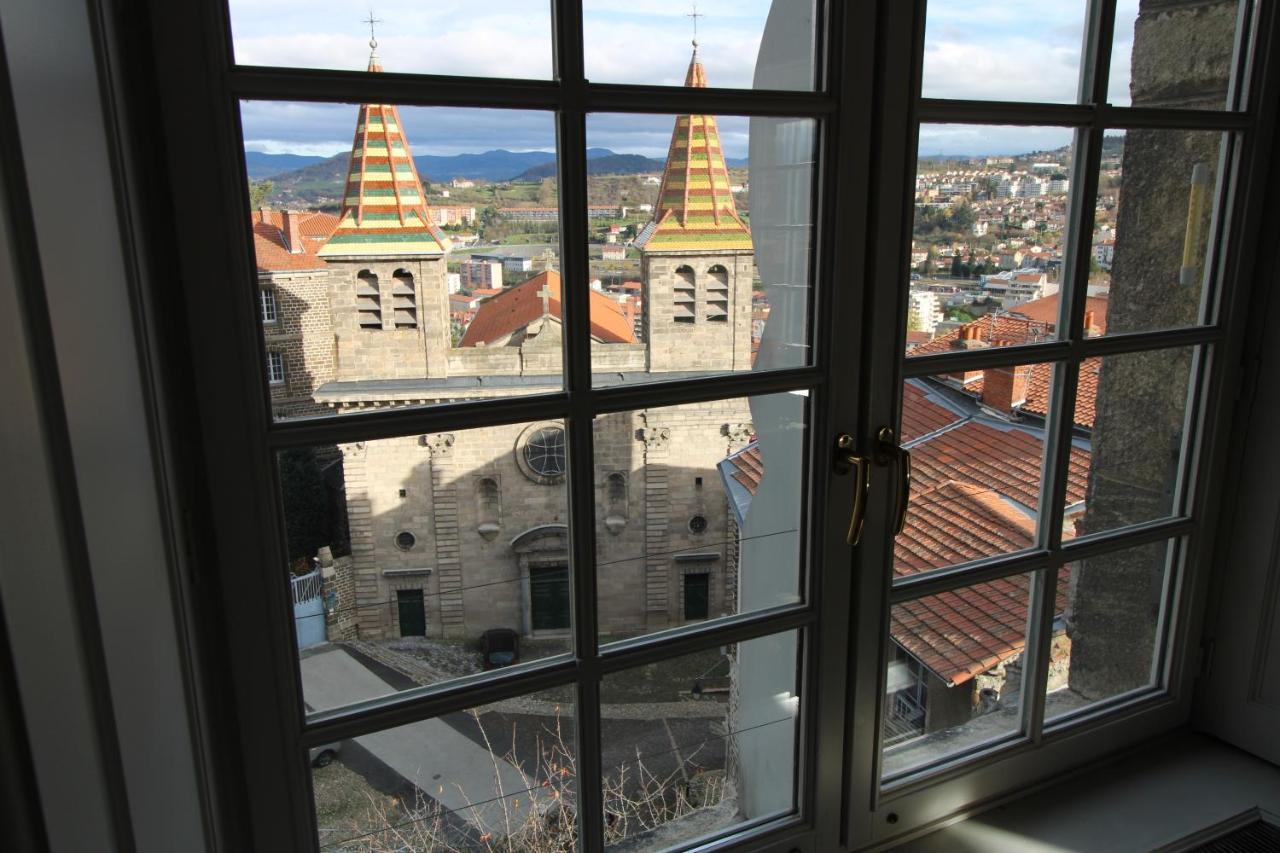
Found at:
(413, 613)
(549, 597)
(697, 592)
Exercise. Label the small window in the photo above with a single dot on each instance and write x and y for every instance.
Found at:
(368, 300)
(718, 294)
(268, 300)
(275, 367)
(698, 524)
(685, 296)
(406, 540)
(404, 300)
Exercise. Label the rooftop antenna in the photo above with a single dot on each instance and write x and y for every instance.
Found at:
(695, 14)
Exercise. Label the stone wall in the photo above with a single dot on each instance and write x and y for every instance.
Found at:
(303, 333)
(339, 591)
(1181, 58)
(701, 343)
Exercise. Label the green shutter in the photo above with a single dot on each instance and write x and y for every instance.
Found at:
(549, 598)
(413, 613)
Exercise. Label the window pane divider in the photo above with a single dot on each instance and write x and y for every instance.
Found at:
(391, 421)
(947, 111)
(425, 90)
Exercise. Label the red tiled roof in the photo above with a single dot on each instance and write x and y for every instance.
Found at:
(1045, 310)
(517, 307)
(1038, 387)
(749, 467)
(920, 415)
(269, 246)
(992, 327)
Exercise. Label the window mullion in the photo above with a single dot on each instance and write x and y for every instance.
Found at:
(571, 132)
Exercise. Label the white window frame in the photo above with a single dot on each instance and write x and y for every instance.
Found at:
(267, 299)
(275, 367)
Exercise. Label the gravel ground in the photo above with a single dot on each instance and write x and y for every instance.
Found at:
(347, 806)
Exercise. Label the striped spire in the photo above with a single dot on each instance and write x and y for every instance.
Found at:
(695, 210)
(384, 209)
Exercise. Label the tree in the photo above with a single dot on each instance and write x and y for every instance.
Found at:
(258, 192)
(957, 266)
(962, 217)
(306, 505)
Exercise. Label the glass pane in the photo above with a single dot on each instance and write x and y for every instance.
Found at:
(1153, 229)
(406, 268)
(502, 38)
(1108, 626)
(700, 263)
(498, 776)
(977, 442)
(1131, 414)
(990, 227)
(750, 44)
(1003, 50)
(699, 743)
(1173, 57)
(699, 510)
(955, 668)
(420, 559)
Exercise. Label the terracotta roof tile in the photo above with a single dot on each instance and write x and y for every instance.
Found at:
(517, 307)
(992, 327)
(920, 415)
(270, 248)
(1038, 387)
(1045, 310)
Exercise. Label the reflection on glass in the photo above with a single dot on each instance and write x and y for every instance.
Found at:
(1131, 411)
(1153, 227)
(989, 235)
(1107, 642)
(391, 276)
(499, 776)
(955, 671)
(977, 441)
(699, 264)
(709, 737)
(749, 44)
(698, 511)
(1003, 50)
(1173, 57)
(420, 559)
(502, 38)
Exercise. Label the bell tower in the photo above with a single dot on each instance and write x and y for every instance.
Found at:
(389, 299)
(696, 255)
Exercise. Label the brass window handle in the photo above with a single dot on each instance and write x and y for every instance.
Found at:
(847, 460)
(887, 449)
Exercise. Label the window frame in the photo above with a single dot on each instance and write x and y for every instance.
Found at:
(275, 358)
(869, 64)
(268, 298)
(954, 786)
(280, 800)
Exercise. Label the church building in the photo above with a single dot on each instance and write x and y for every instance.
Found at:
(453, 534)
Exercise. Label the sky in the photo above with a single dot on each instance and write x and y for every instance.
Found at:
(1000, 49)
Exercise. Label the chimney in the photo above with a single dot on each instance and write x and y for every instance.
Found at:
(1004, 388)
(970, 338)
(1090, 328)
(292, 232)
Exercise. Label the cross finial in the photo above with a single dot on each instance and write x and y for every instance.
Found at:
(545, 295)
(695, 14)
(371, 20)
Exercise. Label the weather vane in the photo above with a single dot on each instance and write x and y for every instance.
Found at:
(695, 14)
(373, 39)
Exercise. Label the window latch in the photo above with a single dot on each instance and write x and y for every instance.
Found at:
(846, 460)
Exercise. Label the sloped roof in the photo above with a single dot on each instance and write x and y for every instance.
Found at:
(992, 327)
(1045, 310)
(516, 307)
(1038, 387)
(271, 249)
(696, 210)
(974, 491)
(384, 210)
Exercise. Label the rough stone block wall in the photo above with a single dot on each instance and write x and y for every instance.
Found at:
(340, 603)
(1181, 58)
(702, 344)
(303, 333)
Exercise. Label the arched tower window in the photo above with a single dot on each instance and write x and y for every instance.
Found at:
(404, 300)
(488, 506)
(718, 294)
(368, 300)
(685, 296)
(615, 501)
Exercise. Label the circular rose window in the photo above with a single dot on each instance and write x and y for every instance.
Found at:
(544, 452)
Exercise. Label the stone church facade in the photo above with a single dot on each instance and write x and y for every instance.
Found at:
(456, 533)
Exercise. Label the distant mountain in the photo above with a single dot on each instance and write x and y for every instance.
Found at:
(318, 182)
(260, 165)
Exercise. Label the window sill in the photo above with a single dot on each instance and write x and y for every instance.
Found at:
(1151, 798)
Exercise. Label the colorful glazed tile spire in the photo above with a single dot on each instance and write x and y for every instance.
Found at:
(384, 210)
(695, 210)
